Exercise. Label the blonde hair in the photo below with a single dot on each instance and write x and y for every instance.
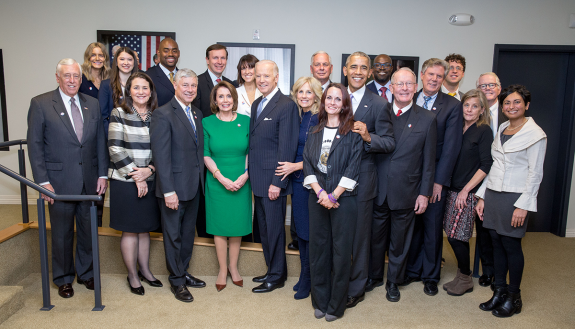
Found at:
(485, 117)
(315, 86)
(87, 65)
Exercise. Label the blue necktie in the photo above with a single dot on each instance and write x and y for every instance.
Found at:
(426, 98)
(260, 107)
(189, 114)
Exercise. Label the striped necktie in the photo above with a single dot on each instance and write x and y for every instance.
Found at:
(427, 99)
(260, 107)
(189, 114)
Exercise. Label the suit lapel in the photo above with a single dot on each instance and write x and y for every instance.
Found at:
(269, 107)
(336, 140)
(208, 81)
(86, 116)
(181, 114)
(63, 114)
(164, 80)
(438, 104)
(364, 106)
(410, 125)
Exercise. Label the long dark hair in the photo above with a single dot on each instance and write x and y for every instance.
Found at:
(249, 61)
(345, 115)
(115, 84)
(128, 102)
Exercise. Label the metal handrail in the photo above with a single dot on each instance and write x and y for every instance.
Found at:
(24, 182)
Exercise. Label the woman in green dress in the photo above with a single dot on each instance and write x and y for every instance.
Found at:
(228, 191)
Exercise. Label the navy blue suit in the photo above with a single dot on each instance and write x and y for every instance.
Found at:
(164, 88)
(88, 88)
(106, 103)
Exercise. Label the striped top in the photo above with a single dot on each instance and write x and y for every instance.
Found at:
(128, 143)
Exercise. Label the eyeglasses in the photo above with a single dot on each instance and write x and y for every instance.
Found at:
(381, 65)
(455, 68)
(490, 85)
(407, 84)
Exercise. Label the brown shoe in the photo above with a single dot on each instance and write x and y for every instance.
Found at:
(66, 290)
(88, 283)
(464, 285)
(452, 283)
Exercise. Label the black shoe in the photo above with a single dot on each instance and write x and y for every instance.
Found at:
(485, 280)
(155, 283)
(499, 296)
(182, 293)
(493, 287)
(137, 291)
(372, 284)
(294, 245)
(352, 301)
(194, 282)
(66, 290)
(267, 287)
(409, 279)
(430, 288)
(261, 278)
(88, 283)
(511, 305)
(393, 294)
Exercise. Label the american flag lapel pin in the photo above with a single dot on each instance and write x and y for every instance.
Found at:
(337, 136)
(85, 108)
(434, 108)
(62, 114)
(239, 125)
(409, 125)
(364, 105)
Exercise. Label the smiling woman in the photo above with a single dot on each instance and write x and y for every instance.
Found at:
(96, 67)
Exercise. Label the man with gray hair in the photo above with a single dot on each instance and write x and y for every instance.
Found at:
(177, 141)
(68, 155)
(321, 68)
(490, 85)
(426, 247)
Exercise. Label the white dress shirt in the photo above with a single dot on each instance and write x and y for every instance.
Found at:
(421, 101)
(494, 112)
(167, 72)
(268, 97)
(324, 86)
(244, 105)
(357, 96)
(403, 109)
(214, 77)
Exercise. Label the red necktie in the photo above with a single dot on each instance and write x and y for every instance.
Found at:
(398, 113)
(218, 80)
(383, 90)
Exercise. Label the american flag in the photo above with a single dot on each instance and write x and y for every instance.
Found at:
(145, 45)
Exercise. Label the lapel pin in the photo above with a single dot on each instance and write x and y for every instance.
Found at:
(85, 108)
(434, 108)
(409, 125)
(90, 88)
(195, 117)
(62, 114)
(239, 125)
(336, 136)
(365, 106)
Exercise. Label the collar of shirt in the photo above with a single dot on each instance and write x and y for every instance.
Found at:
(494, 108)
(445, 91)
(67, 105)
(357, 96)
(167, 72)
(378, 87)
(324, 86)
(421, 101)
(214, 77)
(268, 97)
(403, 109)
(184, 109)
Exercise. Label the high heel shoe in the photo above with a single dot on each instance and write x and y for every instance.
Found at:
(220, 287)
(239, 283)
(138, 291)
(155, 283)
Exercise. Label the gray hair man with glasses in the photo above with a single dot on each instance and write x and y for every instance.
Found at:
(382, 69)
(408, 175)
(490, 85)
(321, 68)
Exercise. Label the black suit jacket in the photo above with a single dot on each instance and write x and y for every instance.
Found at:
(205, 86)
(178, 157)
(409, 171)
(164, 88)
(449, 113)
(371, 109)
(273, 138)
(56, 155)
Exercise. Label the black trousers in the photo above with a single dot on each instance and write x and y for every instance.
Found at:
(426, 248)
(178, 228)
(393, 230)
(508, 257)
(483, 242)
(62, 214)
(361, 249)
(461, 251)
(201, 217)
(271, 219)
(331, 234)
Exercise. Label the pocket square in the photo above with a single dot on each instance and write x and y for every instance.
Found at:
(267, 119)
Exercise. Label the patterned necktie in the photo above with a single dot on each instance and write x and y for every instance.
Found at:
(77, 118)
(189, 114)
(218, 80)
(398, 113)
(451, 94)
(260, 107)
(383, 90)
(172, 77)
(427, 99)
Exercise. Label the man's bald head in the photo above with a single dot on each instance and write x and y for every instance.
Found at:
(382, 69)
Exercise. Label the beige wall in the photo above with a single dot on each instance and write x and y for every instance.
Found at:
(36, 34)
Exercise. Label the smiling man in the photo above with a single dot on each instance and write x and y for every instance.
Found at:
(321, 68)
(454, 75)
(164, 73)
(382, 69)
(490, 85)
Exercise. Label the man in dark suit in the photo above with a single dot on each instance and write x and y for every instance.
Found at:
(177, 142)
(426, 248)
(274, 130)
(321, 68)
(382, 70)
(405, 179)
(163, 74)
(368, 110)
(454, 76)
(68, 155)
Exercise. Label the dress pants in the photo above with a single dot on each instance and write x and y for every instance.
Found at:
(391, 229)
(271, 219)
(62, 215)
(483, 242)
(361, 249)
(331, 234)
(426, 248)
(201, 217)
(178, 228)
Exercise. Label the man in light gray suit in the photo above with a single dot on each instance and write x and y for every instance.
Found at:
(68, 155)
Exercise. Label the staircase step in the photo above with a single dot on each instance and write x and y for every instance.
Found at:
(11, 301)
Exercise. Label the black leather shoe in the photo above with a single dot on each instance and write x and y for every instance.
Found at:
(193, 282)
(88, 283)
(294, 245)
(499, 296)
(372, 284)
(511, 305)
(267, 287)
(155, 283)
(182, 293)
(66, 290)
(352, 301)
(392, 289)
(485, 280)
(137, 291)
(430, 288)
(261, 278)
(409, 279)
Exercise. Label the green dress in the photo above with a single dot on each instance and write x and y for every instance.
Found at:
(227, 143)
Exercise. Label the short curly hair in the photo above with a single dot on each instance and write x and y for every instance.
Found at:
(456, 58)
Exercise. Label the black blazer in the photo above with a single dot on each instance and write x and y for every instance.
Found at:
(164, 88)
(273, 138)
(106, 101)
(205, 86)
(343, 160)
(409, 171)
(449, 113)
(87, 87)
(56, 155)
(371, 110)
(178, 157)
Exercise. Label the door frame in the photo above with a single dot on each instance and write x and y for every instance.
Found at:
(565, 188)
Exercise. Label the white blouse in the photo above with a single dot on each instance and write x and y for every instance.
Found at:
(244, 105)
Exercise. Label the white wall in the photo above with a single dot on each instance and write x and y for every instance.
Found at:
(36, 34)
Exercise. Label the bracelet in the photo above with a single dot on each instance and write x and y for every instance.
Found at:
(246, 170)
(152, 170)
(332, 198)
(216, 172)
(318, 193)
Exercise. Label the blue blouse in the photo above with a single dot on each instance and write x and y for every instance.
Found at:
(307, 121)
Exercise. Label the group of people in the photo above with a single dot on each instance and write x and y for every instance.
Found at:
(372, 168)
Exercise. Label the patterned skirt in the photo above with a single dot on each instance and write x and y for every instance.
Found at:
(458, 223)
